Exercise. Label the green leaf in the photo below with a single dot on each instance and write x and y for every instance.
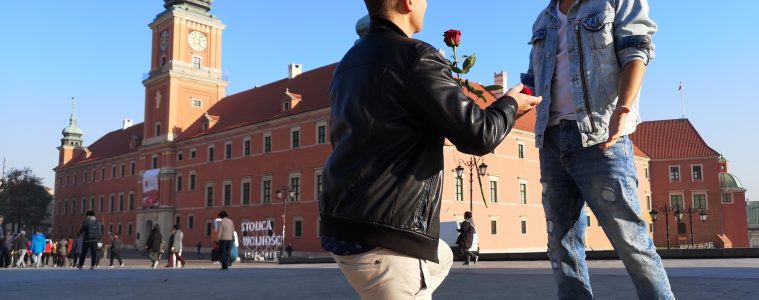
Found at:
(457, 70)
(469, 62)
(479, 93)
(494, 87)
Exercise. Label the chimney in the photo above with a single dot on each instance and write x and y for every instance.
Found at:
(294, 70)
(501, 78)
(126, 124)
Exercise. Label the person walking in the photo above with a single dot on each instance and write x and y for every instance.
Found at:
(466, 238)
(62, 249)
(115, 250)
(588, 61)
(4, 250)
(394, 104)
(77, 250)
(153, 245)
(175, 248)
(20, 245)
(226, 239)
(37, 247)
(91, 236)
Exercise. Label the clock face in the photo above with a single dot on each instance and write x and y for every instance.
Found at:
(197, 41)
(164, 40)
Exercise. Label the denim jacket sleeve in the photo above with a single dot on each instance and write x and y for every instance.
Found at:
(633, 28)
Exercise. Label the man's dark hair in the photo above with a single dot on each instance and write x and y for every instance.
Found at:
(380, 7)
(223, 214)
(176, 227)
(90, 213)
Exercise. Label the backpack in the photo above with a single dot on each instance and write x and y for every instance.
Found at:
(93, 231)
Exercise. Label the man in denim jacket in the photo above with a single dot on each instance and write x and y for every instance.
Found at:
(587, 61)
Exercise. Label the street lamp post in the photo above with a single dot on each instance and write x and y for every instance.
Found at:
(701, 215)
(291, 194)
(482, 170)
(676, 212)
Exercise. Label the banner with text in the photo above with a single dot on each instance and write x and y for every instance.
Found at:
(150, 189)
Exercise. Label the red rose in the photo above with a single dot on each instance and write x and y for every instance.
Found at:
(526, 90)
(452, 38)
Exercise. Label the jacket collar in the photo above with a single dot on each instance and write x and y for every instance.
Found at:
(379, 24)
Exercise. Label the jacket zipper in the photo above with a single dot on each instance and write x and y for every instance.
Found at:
(582, 75)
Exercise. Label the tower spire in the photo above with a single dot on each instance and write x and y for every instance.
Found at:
(72, 135)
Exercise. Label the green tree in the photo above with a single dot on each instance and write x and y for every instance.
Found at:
(23, 198)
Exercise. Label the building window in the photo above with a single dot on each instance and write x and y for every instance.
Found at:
(227, 194)
(727, 198)
(319, 183)
(267, 143)
(112, 202)
(588, 221)
(674, 173)
(522, 193)
(676, 201)
(524, 226)
(295, 141)
(266, 191)
(321, 134)
(131, 201)
(493, 227)
(295, 187)
(193, 153)
(646, 171)
(246, 147)
(459, 188)
(190, 221)
(179, 183)
(113, 173)
(196, 62)
(298, 228)
(228, 151)
(245, 193)
(121, 201)
(192, 182)
(180, 156)
(520, 150)
(208, 228)
(157, 129)
(648, 202)
(123, 170)
(129, 229)
(681, 228)
(209, 196)
(119, 229)
(210, 153)
(699, 201)
(92, 204)
(177, 220)
(697, 173)
(102, 174)
(197, 103)
(154, 163)
(493, 191)
(132, 169)
(102, 204)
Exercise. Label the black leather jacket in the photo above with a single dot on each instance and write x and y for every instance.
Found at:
(394, 102)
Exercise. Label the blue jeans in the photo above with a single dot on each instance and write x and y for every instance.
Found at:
(572, 177)
(225, 247)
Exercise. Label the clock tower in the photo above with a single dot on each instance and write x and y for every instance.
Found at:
(185, 77)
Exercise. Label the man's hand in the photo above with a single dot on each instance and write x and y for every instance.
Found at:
(525, 103)
(616, 127)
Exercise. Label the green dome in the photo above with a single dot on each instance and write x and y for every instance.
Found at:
(72, 130)
(729, 181)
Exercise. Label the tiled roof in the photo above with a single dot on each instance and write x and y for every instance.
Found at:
(112, 144)
(671, 139)
(264, 103)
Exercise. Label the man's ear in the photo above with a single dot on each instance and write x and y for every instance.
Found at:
(406, 6)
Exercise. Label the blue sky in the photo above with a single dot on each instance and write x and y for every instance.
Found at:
(97, 51)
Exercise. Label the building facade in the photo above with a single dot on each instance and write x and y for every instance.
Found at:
(690, 177)
(258, 155)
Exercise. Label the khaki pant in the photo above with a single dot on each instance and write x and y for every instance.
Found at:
(386, 274)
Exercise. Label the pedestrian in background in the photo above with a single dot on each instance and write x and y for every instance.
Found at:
(91, 236)
(226, 239)
(21, 248)
(153, 245)
(37, 247)
(115, 246)
(466, 238)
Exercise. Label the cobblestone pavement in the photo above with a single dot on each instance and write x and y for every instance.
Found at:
(691, 279)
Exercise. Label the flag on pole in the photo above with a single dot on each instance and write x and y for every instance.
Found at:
(681, 87)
